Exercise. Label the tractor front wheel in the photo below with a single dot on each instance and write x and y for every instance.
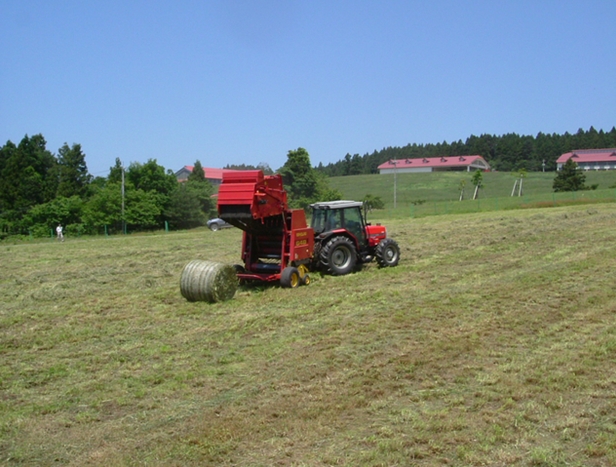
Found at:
(339, 256)
(387, 253)
(290, 278)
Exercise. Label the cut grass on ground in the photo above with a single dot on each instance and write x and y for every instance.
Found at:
(492, 343)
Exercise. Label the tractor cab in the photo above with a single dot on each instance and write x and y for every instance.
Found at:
(340, 216)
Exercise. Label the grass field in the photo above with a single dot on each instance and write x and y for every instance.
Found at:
(492, 343)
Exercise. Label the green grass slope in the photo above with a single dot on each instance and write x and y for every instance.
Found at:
(492, 343)
(439, 187)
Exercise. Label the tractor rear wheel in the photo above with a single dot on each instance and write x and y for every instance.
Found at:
(387, 253)
(338, 256)
(290, 278)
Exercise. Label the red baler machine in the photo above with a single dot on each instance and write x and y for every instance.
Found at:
(277, 244)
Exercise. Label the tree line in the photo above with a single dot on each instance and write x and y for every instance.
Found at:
(264, 166)
(506, 153)
(39, 190)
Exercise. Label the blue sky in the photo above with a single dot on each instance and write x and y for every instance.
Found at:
(239, 81)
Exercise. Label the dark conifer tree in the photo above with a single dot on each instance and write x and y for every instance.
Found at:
(73, 177)
(28, 175)
(569, 178)
(197, 174)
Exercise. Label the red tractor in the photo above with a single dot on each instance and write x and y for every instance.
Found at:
(344, 239)
(277, 243)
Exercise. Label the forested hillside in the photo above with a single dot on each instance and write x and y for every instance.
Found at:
(510, 152)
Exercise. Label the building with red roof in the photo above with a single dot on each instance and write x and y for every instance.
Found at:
(435, 164)
(590, 159)
(214, 176)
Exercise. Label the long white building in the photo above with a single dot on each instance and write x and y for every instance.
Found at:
(435, 164)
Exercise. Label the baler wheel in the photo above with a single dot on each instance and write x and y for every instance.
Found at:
(290, 278)
(339, 256)
(387, 253)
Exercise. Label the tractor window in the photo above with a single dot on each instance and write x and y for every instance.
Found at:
(352, 218)
(324, 220)
(333, 220)
(354, 223)
(318, 220)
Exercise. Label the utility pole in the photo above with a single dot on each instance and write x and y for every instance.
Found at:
(395, 164)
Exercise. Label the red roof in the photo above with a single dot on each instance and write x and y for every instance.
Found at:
(589, 155)
(445, 161)
(211, 174)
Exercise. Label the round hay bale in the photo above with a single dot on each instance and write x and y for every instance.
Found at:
(208, 281)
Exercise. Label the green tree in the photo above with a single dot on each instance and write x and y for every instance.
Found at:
(148, 191)
(185, 208)
(356, 166)
(203, 191)
(324, 191)
(299, 178)
(200, 188)
(6, 152)
(477, 181)
(197, 174)
(98, 182)
(44, 217)
(27, 176)
(297, 166)
(304, 184)
(373, 202)
(152, 179)
(104, 207)
(189, 203)
(73, 176)
(143, 209)
(569, 178)
(115, 172)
